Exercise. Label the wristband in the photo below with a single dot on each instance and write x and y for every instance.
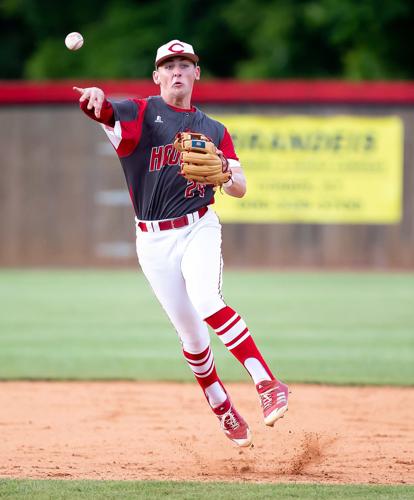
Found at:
(230, 182)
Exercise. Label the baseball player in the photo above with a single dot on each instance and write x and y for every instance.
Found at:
(174, 156)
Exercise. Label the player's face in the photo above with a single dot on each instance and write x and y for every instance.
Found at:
(176, 77)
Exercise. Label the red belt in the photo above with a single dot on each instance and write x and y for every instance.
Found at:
(163, 225)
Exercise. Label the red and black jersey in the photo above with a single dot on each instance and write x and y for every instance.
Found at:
(142, 132)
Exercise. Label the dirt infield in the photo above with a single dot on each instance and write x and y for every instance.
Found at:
(127, 430)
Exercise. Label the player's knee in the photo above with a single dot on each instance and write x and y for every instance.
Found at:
(208, 306)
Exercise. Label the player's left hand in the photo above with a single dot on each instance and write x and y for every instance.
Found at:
(201, 161)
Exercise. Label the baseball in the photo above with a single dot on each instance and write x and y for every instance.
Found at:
(74, 41)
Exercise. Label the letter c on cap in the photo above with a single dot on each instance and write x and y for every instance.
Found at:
(172, 48)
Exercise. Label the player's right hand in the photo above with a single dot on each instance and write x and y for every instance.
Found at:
(94, 96)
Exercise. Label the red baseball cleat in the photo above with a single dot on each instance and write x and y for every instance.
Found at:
(233, 424)
(273, 396)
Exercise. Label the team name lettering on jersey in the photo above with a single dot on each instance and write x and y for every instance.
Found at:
(162, 156)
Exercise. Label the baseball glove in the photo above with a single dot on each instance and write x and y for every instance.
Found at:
(201, 161)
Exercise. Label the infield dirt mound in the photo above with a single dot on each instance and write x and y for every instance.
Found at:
(127, 430)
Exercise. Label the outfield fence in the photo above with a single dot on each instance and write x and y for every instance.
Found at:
(63, 200)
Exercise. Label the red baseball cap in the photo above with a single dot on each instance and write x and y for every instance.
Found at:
(175, 48)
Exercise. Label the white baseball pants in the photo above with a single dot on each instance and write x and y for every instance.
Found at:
(184, 268)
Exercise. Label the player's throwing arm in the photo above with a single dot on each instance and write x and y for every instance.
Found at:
(94, 95)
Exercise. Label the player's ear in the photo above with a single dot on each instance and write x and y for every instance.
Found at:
(197, 72)
(156, 77)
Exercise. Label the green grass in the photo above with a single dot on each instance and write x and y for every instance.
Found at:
(74, 490)
(342, 328)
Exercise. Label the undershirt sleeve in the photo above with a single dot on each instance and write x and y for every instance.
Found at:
(107, 113)
(122, 122)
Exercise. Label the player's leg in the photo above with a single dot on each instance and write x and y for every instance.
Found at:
(160, 264)
(235, 335)
(202, 269)
(164, 275)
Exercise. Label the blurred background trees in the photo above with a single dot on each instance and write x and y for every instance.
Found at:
(350, 39)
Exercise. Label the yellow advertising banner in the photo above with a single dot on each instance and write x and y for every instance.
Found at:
(326, 169)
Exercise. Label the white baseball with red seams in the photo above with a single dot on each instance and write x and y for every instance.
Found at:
(74, 41)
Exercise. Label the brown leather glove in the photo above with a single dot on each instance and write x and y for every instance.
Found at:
(200, 159)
